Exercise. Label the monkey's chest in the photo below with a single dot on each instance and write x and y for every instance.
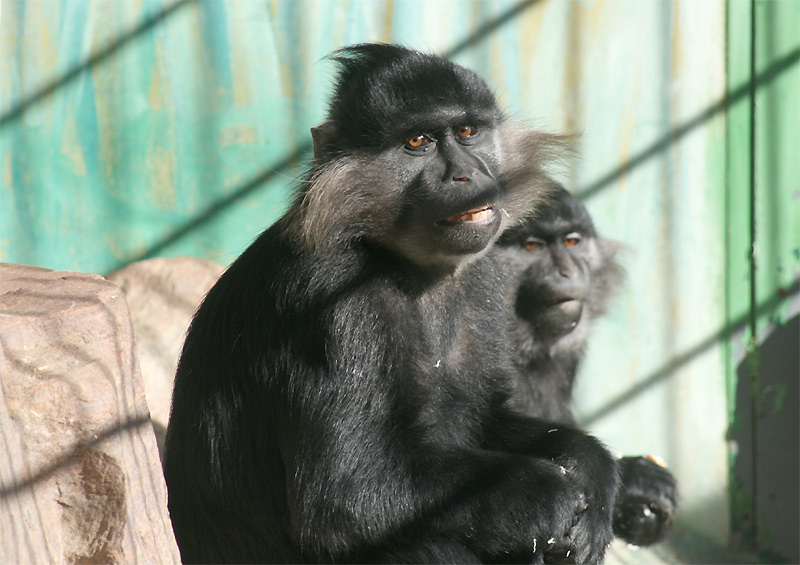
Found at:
(462, 338)
(454, 378)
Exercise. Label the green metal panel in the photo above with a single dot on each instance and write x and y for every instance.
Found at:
(136, 128)
(777, 160)
(763, 276)
(739, 230)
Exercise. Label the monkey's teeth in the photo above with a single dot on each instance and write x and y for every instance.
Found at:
(476, 215)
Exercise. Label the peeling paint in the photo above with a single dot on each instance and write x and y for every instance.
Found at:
(8, 172)
(156, 95)
(161, 166)
(71, 146)
(238, 135)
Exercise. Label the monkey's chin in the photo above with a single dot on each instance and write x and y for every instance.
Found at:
(468, 233)
(559, 319)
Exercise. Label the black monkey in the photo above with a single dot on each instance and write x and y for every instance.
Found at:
(564, 276)
(341, 392)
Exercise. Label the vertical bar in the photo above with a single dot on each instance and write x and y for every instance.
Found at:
(752, 347)
(739, 238)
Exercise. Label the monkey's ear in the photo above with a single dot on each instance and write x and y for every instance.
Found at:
(323, 136)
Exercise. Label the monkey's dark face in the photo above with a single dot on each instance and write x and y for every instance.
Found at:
(451, 200)
(554, 303)
(554, 256)
(411, 148)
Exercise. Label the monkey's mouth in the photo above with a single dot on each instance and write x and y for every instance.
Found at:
(564, 315)
(474, 216)
(552, 319)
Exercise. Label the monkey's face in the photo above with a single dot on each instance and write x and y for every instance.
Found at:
(552, 259)
(429, 193)
(555, 285)
(417, 159)
(451, 204)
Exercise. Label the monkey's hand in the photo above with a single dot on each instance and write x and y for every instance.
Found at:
(572, 492)
(647, 500)
(591, 532)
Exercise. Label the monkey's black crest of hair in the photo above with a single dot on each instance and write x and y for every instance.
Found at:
(385, 90)
(341, 395)
(564, 276)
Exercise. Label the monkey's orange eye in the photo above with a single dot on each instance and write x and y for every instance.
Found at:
(572, 239)
(417, 141)
(533, 243)
(466, 131)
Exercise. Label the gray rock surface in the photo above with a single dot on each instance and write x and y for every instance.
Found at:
(80, 477)
(162, 296)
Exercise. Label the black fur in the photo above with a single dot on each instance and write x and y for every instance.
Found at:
(341, 392)
(564, 277)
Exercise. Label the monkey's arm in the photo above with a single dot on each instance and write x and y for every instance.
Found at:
(587, 464)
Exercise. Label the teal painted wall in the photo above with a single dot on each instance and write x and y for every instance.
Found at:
(139, 128)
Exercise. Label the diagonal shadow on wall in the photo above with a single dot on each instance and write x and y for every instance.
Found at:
(217, 207)
(95, 60)
(679, 360)
(303, 150)
(673, 136)
(483, 32)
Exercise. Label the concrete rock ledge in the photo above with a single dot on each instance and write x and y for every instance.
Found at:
(163, 295)
(80, 476)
